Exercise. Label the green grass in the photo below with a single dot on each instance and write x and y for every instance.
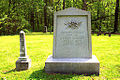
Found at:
(39, 46)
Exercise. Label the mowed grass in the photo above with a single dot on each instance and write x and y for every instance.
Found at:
(40, 46)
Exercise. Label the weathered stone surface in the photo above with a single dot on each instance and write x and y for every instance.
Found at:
(23, 62)
(23, 51)
(72, 34)
(23, 65)
(72, 49)
(72, 65)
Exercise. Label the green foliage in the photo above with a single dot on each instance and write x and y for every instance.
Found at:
(102, 15)
(29, 14)
(25, 30)
(12, 25)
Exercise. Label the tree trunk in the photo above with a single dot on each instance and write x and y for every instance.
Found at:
(32, 20)
(32, 16)
(52, 21)
(45, 16)
(63, 4)
(116, 17)
(84, 5)
(41, 22)
(49, 22)
(37, 21)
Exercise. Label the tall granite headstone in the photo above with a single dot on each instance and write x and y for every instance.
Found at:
(23, 63)
(72, 49)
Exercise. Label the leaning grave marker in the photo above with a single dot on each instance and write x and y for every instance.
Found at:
(72, 49)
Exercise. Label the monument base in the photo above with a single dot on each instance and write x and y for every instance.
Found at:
(23, 64)
(72, 65)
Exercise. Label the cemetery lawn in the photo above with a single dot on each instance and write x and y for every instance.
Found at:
(39, 47)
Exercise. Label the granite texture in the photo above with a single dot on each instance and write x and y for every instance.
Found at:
(23, 51)
(23, 65)
(23, 62)
(72, 49)
(72, 65)
(72, 34)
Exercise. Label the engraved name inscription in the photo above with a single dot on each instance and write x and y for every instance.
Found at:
(70, 39)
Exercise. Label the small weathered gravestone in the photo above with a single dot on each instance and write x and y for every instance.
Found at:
(23, 63)
(45, 29)
(72, 49)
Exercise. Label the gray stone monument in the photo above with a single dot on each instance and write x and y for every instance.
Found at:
(23, 63)
(45, 29)
(72, 49)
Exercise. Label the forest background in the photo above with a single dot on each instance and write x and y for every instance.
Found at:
(38, 15)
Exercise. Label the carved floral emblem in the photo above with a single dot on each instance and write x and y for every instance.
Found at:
(73, 24)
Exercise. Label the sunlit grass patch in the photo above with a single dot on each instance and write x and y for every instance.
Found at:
(40, 46)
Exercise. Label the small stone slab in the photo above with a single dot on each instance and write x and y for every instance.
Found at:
(23, 65)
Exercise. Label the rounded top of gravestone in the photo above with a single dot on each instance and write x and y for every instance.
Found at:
(22, 32)
(72, 11)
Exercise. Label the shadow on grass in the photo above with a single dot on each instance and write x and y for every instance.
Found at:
(13, 70)
(40, 74)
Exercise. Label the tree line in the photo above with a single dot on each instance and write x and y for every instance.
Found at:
(37, 15)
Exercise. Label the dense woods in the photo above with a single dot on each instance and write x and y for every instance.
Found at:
(37, 15)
